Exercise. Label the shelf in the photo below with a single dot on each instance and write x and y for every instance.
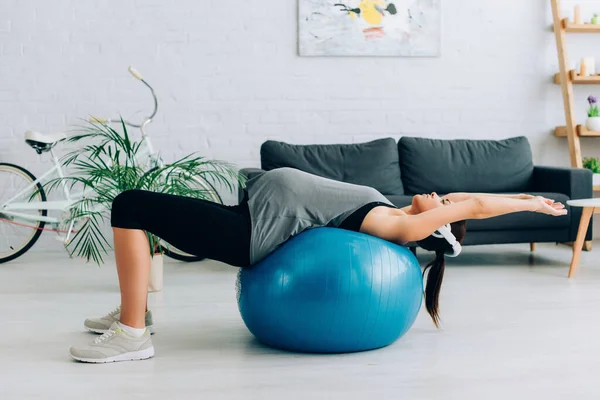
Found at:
(562, 26)
(580, 28)
(561, 131)
(579, 80)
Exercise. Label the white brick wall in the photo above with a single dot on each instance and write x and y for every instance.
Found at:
(228, 76)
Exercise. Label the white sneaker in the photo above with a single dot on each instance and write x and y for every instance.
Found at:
(103, 324)
(115, 345)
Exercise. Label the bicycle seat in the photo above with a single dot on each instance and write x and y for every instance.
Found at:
(42, 142)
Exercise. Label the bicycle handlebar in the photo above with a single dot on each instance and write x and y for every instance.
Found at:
(135, 73)
(146, 120)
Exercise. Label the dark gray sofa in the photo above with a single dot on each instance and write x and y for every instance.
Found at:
(417, 165)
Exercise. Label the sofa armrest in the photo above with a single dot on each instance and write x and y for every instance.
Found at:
(573, 182)
(248, 173)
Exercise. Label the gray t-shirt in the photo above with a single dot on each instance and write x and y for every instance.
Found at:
(284, 202)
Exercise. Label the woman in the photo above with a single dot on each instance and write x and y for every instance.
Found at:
(280, 204)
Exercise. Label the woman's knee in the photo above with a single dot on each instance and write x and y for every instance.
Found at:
(124, 207)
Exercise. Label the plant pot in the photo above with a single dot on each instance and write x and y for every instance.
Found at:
(596, 180)
(155, 283)
(593, 124)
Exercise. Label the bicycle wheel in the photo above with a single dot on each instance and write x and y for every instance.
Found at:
(18, 235)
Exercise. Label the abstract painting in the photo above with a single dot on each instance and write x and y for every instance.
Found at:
(369, 28)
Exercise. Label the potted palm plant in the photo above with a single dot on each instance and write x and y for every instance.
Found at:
(107, 165)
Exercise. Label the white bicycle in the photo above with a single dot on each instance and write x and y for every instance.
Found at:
(24, 206)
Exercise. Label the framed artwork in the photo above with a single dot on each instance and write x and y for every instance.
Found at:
(408, 28)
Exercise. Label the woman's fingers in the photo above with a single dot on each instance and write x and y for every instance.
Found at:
(552, 203)
(557, 211)
(550, 207)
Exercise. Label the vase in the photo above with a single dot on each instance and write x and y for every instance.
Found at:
(155, 283)
(593, 124)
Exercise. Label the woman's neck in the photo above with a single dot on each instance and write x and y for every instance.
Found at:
(408, 210)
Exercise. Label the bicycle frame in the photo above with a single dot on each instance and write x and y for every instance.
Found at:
(13, 210)
(8, 207)
(154, 159)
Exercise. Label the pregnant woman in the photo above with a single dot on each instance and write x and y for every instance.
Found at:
(280, 204)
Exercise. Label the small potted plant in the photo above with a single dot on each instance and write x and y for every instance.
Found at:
(593, 165)
(593, 121)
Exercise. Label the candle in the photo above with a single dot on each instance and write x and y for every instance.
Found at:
(577, 18)
(590, 65)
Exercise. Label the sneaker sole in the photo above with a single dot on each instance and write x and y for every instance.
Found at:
(101, 331)
(132, 356)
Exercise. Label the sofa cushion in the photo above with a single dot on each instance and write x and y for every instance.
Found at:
(372, 164)
(524, 220)
(517, 236)
(445, 166)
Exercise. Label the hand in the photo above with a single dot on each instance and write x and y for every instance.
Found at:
(523, 196)
(548, 206)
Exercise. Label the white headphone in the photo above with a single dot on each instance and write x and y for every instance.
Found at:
(445, 232)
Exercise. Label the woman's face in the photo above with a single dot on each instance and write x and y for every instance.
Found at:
(426, 202)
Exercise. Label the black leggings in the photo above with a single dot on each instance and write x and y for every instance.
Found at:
(199, 227)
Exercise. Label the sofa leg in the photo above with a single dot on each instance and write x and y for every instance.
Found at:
(532, 247)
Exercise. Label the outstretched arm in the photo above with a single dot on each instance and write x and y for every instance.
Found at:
(417, 227)
(462, 196)
(411, 228)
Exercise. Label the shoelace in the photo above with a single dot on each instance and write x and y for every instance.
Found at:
(109, 333)
(115, 311)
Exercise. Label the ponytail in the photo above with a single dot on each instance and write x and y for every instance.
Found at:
(434, 283)
(441, 246)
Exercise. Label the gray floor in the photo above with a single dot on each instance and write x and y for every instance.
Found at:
(511, 330)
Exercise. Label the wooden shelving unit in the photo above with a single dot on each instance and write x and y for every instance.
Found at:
(579, 80)
(582, 131)
(566, 79)
(579, 28)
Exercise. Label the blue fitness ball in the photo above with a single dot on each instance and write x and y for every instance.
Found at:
(331, 291)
